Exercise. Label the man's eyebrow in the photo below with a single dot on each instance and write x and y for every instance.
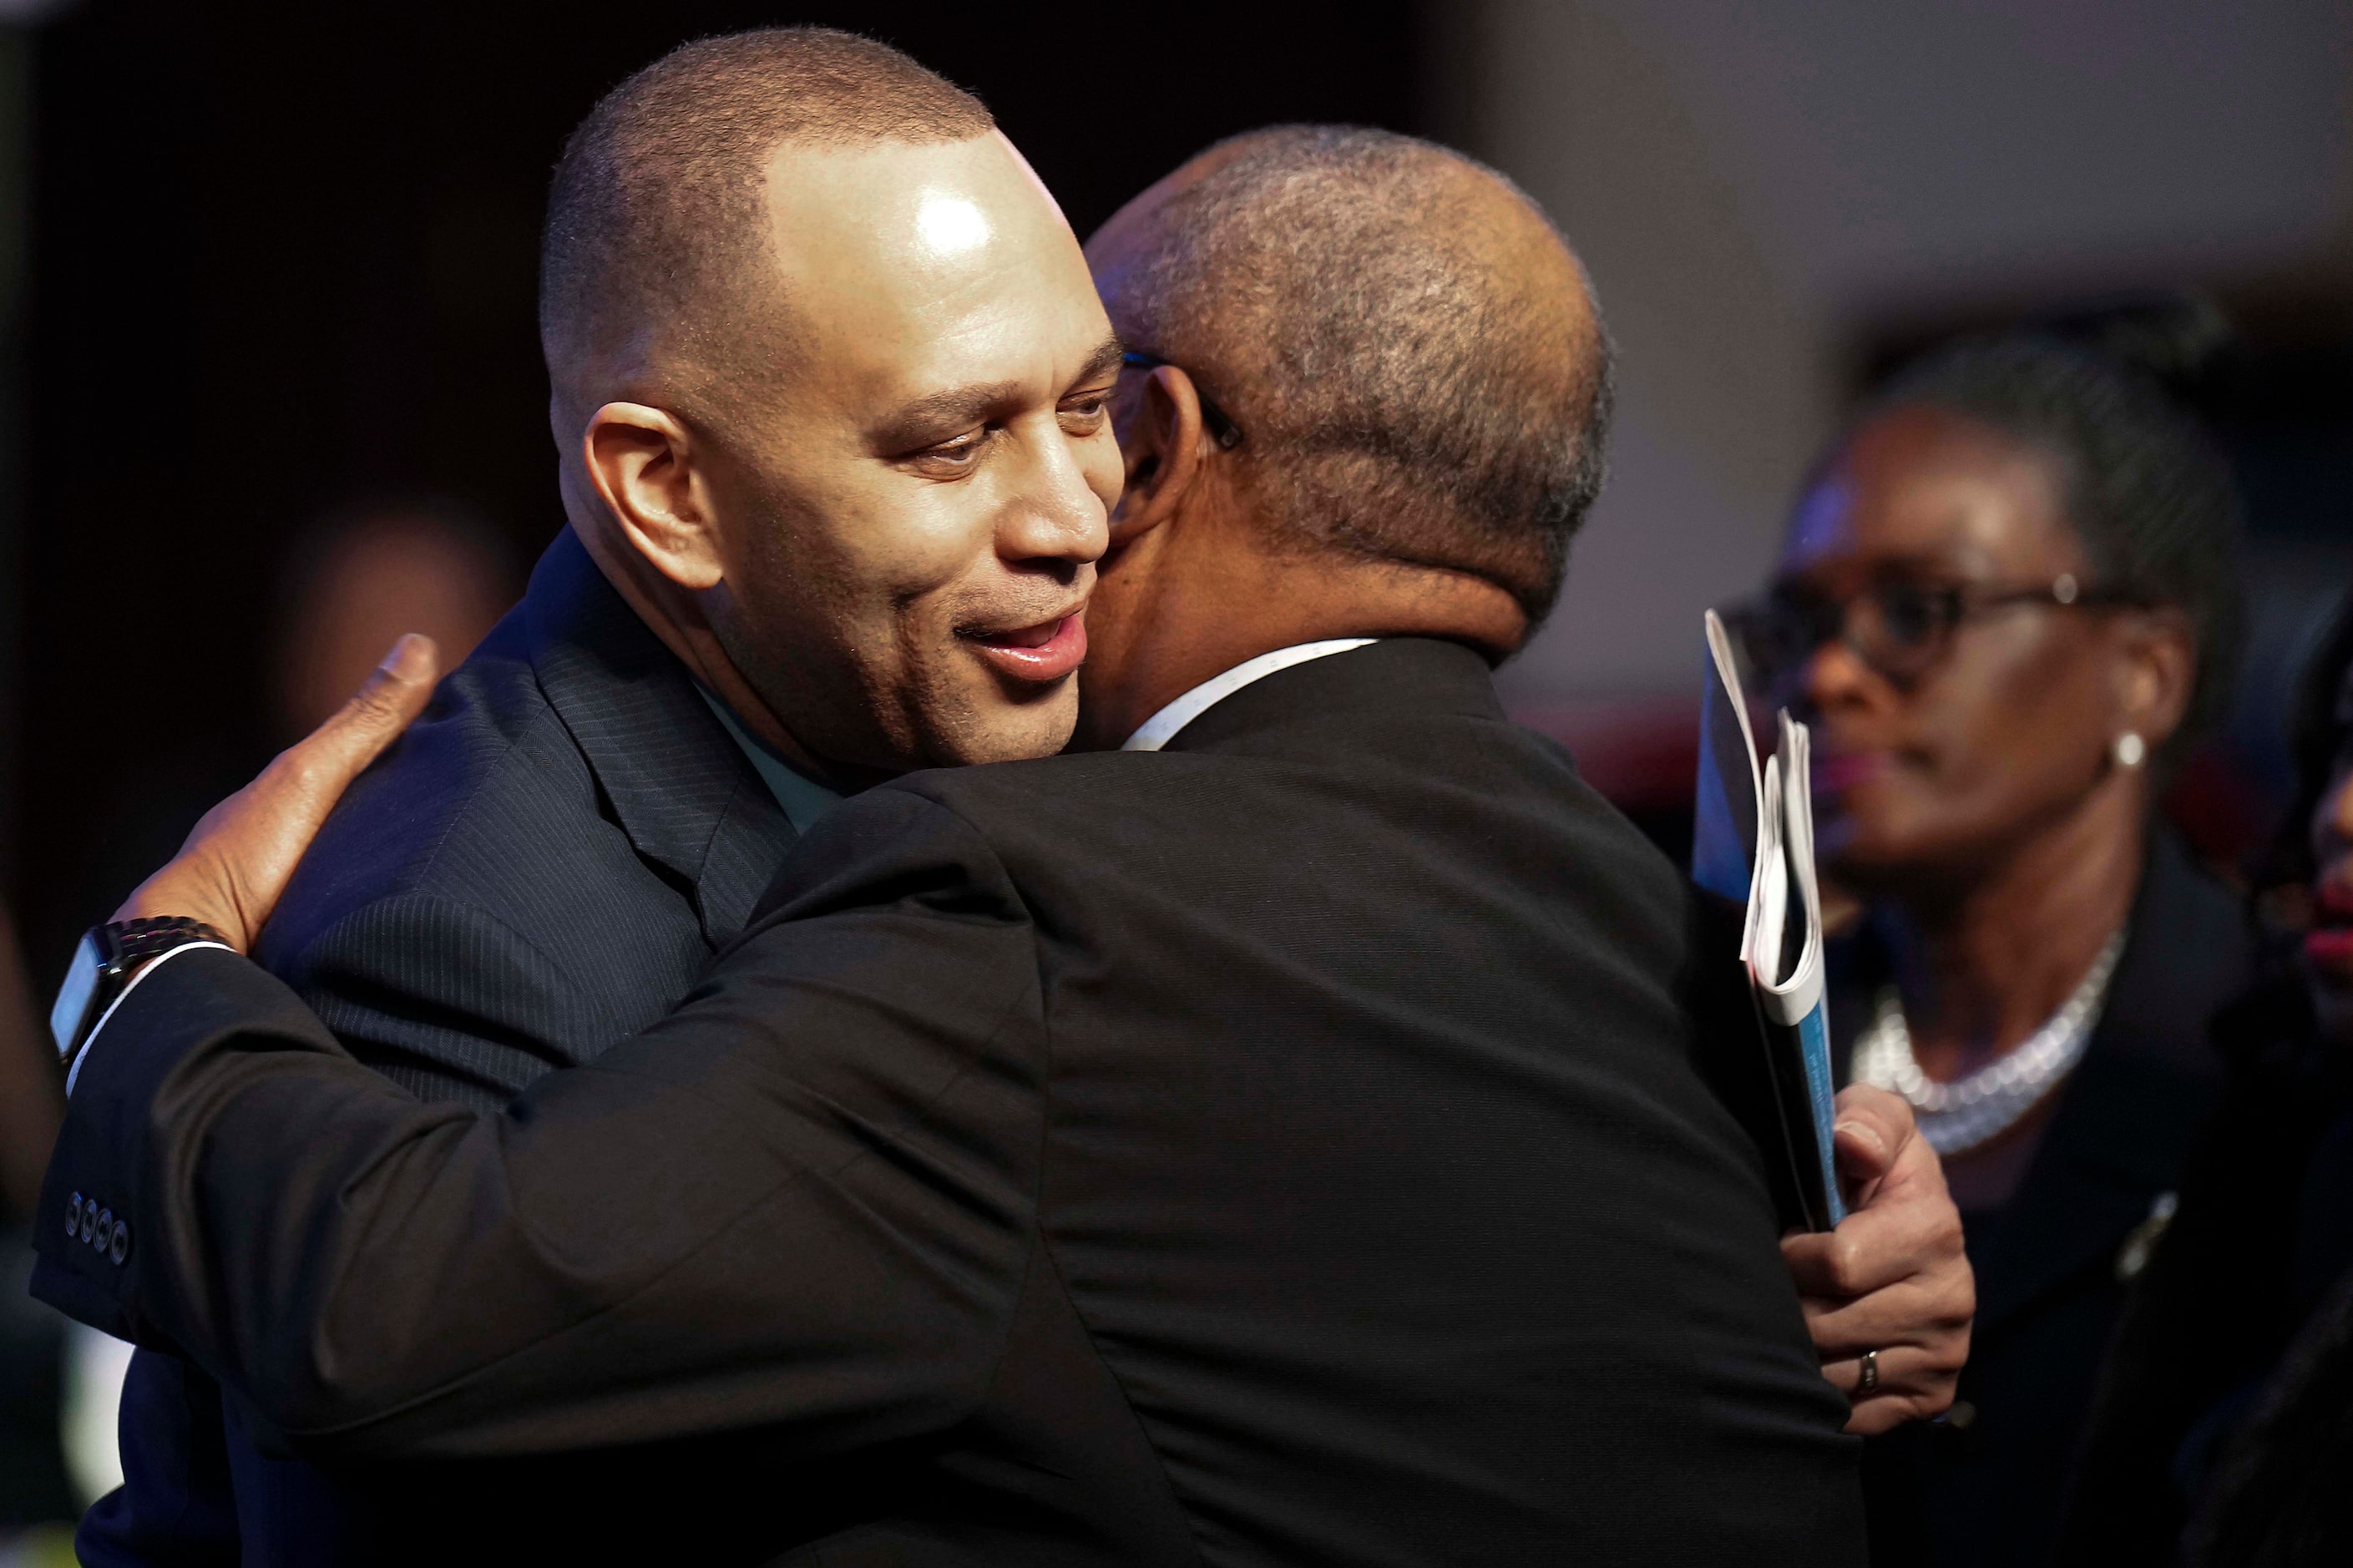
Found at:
(1102, 361)
(956, 407)
(949, 410)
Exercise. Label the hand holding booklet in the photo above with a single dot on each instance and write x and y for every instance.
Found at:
(1753, 844)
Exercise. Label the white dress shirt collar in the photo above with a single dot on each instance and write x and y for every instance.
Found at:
(1161, 728)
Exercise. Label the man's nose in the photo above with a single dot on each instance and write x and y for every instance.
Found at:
(1054, 513)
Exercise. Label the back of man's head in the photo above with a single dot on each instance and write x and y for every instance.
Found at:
(1409, 348)
(656, 222)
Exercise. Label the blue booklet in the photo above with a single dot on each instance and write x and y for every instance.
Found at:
(1753, 843)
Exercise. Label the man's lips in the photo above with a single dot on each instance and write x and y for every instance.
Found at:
(1045, 651)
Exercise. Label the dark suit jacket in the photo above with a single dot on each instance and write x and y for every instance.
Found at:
(2263, 1237)
(1987, 1483)
(542, 866)
(1286, 1147)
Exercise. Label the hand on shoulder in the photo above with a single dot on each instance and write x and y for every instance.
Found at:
(236, 862)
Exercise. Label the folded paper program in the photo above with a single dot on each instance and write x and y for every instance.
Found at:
(1753, 843)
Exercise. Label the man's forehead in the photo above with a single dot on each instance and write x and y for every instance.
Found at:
(903, 207)
(905, 264)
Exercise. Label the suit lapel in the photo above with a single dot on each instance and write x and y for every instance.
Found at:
(680, 788)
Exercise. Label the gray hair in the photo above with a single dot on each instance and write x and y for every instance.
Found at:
(1405, 397)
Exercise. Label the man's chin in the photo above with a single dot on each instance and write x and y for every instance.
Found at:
(1010, 731)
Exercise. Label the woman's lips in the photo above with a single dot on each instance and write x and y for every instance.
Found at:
(1837, 772)
(1044, 652)
(2334, 899)
(2328, 946)
(2330, 949)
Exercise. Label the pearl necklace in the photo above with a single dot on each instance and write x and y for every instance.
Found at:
(1957, 1116)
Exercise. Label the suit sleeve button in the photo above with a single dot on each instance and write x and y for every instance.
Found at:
(89, 1220)
(99, 1234)
(73, 1216)
(119, 1248)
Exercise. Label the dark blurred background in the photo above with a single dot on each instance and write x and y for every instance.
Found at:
(270, 388)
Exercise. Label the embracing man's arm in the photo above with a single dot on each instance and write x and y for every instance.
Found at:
(624, 1251)
(800, 1202)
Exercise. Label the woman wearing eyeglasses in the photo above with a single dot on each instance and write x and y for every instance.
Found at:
(2008, 601)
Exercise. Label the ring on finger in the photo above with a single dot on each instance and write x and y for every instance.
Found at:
(1869, 1377)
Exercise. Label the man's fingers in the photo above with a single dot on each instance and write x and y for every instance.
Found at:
(1931, 1311)
(1902, 1220)
(238, 860)
(1913, 1384)
(1886, 1412)
(300, 789)
(1897, 1272)
(1873, 1247)
(392, 696)
(1902, 1369)
(1872, 1129)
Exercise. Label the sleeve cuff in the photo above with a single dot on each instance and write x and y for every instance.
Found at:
(73, 1073)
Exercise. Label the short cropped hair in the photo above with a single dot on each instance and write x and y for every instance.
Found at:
(1404, 397)
(656, 217)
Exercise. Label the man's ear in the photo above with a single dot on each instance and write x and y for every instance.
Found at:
(2159, 669)
(1161, 442)
(642, 461)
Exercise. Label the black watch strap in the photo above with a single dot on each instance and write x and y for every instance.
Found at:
(103, 964)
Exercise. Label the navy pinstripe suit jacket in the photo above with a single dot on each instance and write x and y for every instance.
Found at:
(540, 867)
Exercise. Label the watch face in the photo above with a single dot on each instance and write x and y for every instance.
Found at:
(74, 996)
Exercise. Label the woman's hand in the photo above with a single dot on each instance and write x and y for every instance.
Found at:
(1892, 1278)
(239, 859)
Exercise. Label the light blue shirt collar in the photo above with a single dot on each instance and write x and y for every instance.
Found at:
(804, 800)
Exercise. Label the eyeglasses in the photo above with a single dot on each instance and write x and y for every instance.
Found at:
(1222, 429)
(1900, 628)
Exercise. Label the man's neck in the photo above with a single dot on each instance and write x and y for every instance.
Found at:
(670, 616)
(1197, 623)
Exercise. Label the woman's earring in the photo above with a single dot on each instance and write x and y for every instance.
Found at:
(2131, 751)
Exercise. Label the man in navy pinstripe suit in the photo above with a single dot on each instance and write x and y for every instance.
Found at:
(766, 595)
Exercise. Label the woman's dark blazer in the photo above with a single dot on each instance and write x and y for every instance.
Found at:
(1985, 1484)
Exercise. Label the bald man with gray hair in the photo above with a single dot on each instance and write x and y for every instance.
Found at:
(1428, 381)
(1404, 378)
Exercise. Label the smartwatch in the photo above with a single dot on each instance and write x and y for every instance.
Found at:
(102, 967)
